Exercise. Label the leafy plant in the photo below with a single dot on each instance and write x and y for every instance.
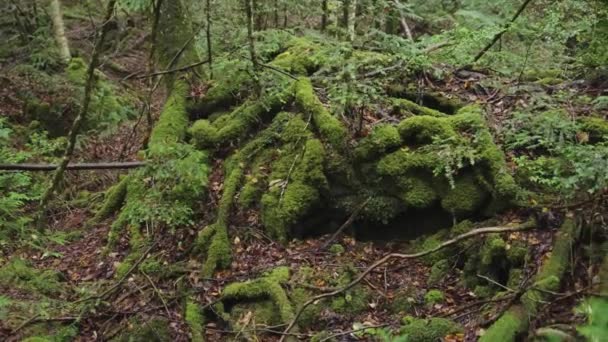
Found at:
(596, 310)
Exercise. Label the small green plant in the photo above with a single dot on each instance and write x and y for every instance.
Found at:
(596, 328)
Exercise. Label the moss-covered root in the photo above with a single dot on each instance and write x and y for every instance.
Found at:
(330, 128)
(268, 287)
(173, 121)
(213, 240)
(516, 320)
(115, 197)
(195, 320)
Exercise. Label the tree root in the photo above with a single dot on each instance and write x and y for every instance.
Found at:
(515, 320)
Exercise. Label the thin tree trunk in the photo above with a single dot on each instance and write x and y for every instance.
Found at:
(59, 31)
(324, 16)
(208, 34)
(88, 89)
(404, 26)
(499, 34)
(285, 16)
(351, 18)
(276, 13)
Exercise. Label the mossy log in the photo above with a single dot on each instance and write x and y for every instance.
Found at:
(515, 321)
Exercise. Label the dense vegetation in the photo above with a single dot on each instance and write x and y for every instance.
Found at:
(321, 170)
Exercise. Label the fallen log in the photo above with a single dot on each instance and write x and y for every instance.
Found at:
(80, 166)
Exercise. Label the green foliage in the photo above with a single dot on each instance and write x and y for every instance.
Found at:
(19, 274)
(433, 297)
(162, 192)
(574, 166)
(596, 327)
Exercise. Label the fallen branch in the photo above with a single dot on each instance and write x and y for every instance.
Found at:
(388, 257)
(80, 166)
(501, 32)
(164, 72)
(346, 224)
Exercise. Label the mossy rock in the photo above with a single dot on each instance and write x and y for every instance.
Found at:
(438, 271)
(430, 330)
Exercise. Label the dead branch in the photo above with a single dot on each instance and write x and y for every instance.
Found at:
(80, 166)
(498, 35)
(390, 256)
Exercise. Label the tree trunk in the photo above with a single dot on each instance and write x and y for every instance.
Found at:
(276, 13)
(88, 89)
(208, 34)
(351, 18)
(325, 15)
(59, 31)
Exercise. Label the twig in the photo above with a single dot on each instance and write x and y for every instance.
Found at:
(496, 283)
(79, 166)
(160, 295)
(352, 331)
(346, 224)
(390, 256)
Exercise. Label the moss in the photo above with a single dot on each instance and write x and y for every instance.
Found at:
(293, 194)
(239, 122)
(268, 287)
(418, 191)
(337, 249)
(406, 108)
(312, 313)
(465, 198)
(173, 121)
(18, 273)
(595, 127)
(405, 160)
(493, 248)
(422, 129)
(537, 74)
(382, 138)
(329, 127)
(430, 330)
(433, 297)
(508, 327)
(379, 209)
(438, 271)
(299, 58)
(115, 197)
(195, 320)
(257, 180)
